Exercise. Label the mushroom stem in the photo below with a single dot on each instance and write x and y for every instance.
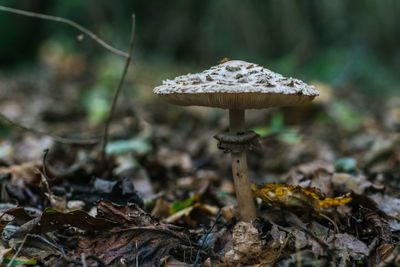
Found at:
(239, 168)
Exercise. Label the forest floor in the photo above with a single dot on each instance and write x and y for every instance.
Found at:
(164, 195)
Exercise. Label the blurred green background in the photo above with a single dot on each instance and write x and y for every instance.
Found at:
(54, 80)
(346, 44)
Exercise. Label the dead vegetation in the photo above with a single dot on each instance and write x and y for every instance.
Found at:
(163, 196)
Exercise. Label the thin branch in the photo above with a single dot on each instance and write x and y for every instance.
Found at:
(117, 91)
(18, 251)
(45, 154)
(59, 248)
(128, 57)
(205, 238)
(56, 138)
(83, 259)
(66, 21)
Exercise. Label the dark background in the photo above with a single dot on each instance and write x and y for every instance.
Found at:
(342, 43)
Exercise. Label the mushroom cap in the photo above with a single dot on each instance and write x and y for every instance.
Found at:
(236, 84)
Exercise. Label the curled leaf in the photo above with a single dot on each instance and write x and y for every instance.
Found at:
(295, 196)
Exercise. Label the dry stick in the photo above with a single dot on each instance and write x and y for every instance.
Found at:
(331, 221)
(95, 38)
(56, 138)
(298, 255)
(45, 154)
(137, 254)
(83, 259)
(117, 91)
(18, 251)
(205, 238)
(66, 21)
(50, 244)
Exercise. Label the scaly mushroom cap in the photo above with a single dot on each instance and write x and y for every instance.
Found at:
(236, 84)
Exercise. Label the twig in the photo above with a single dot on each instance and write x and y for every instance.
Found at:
(298, 254)
(98, 40)
(56, 138)
(45, 153)
(57, 202)
(44, 179)
(31, 196)
(117, 91)
(50, 244)
(18, 251)
(66, 21)
(373, 244)
(137, 254)
(331, 221)
(83, 259)
(205, 238)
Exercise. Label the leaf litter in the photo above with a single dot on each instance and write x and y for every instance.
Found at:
(326, 180)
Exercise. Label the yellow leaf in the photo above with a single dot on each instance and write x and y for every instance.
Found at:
(337, 201)
(297, 197)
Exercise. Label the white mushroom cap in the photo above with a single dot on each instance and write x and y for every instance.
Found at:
(236, 84)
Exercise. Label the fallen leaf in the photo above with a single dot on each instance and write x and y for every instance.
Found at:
(294, 196)
(177, 206)
(51, 220)
(24, 171)
(382, 145)
(376, 224)
(161, 209)
(18, 261)
(349, 246)
(388, 204)
(3, 252)
(385, 250)
(36, 247)
(345, 182)
(314, 174)
(175, 159)
(120, 192)
(137, 239)
(20, 215)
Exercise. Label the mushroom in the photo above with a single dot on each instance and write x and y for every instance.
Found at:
(237, 85)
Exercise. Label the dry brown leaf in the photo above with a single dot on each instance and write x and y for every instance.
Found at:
(136, 238)
(161, 209)
(24, 171)
(385, 250)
